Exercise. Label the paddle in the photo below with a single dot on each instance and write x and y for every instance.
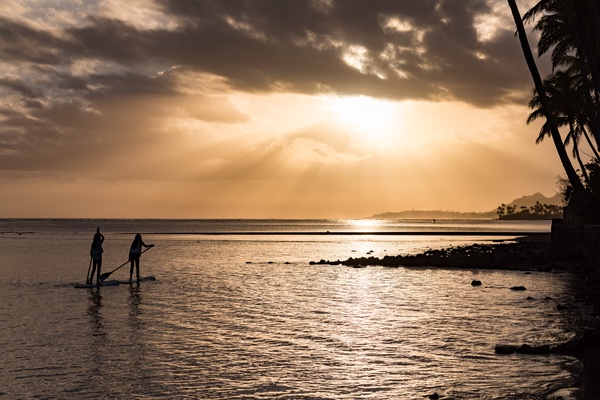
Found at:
(87, 277)
(107, 274)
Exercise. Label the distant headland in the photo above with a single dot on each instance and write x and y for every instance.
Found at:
(435, 214)
(535, 206)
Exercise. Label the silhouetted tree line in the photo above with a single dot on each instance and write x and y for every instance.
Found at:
(569, 97)
(536, 211)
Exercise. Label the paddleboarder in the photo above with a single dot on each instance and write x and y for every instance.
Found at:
(96, 254)
(134, 255)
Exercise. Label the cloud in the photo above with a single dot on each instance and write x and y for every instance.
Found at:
(301, 46)
(350, 49)
(110, 90)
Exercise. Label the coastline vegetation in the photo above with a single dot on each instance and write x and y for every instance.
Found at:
(537, 211)
(512, 211)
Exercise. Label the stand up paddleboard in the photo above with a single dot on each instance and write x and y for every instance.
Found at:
(112, 283)
(93, 285)
(144, 279)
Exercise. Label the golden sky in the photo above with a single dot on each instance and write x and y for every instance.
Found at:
(264, 108)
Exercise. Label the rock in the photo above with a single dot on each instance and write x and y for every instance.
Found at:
(434, 396)
(523, 349)
(536, 350)
(527, 256)
(475, 283)
(505, 349)
(561, 307)
(518, 288)
(589, 343)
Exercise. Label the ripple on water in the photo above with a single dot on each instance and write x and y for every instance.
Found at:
(358, 335)
(220, 329)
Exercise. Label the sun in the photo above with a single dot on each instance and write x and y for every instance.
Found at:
(366, 115)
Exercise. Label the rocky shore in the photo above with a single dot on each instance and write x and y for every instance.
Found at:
(525, 255)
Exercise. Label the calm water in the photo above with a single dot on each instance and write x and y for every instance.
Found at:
(240, 316)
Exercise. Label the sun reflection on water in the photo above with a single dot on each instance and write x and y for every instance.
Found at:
(365, 225)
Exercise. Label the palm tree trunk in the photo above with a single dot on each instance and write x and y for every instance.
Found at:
(575, 138)
(578, 188)
(587, 138)
(586, 178)
(588, 104)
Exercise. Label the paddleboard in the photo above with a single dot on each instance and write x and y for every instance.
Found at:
(112, 283)
(93, 285)
(144, 279)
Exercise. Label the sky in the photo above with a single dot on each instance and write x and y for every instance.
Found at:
(264, 108)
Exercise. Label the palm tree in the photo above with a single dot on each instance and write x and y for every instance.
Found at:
(537, 208)
(501, 210)
(565, 94)
(567, 31)
(546, 107)
(586, 17)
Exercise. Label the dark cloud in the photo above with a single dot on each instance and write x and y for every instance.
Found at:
(258, 44)
(109, 39)
(21, 42)
(295, 45)
(251, 45)
(20, 87)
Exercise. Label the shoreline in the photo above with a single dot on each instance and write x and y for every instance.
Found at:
(525, 253)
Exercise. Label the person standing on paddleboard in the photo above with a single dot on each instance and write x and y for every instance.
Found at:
(134, 255)
(96, 254)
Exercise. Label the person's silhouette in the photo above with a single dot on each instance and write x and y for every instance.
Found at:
(96, 254)
(135, 253)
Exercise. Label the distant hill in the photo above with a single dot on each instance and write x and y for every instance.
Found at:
(526, 201)
(529, 201)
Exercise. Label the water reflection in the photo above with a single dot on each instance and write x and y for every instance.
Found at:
(96, 347)
(134, 300)
(139, 358)
(94, 311)
(358, 333)
(365, 225)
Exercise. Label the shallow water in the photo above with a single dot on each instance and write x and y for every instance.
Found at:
(246, 317)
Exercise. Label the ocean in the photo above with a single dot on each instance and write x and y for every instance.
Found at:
(237, 312)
